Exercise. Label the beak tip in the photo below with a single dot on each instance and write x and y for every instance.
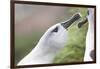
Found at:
(79, 14)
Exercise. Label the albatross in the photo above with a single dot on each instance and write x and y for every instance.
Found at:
(89, 54)
(50, 43)
(89, 50)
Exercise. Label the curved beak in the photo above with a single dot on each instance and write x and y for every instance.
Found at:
(80, 24)
(74, 18)
(85, 20)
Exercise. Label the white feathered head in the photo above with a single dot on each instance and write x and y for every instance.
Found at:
(57, 35)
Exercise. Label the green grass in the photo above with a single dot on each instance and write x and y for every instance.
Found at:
(74, 49)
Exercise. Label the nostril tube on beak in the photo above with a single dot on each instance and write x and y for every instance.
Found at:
(74, 18)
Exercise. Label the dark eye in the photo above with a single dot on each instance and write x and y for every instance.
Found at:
(55, 29)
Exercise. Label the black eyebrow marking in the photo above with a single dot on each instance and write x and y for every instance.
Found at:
(55, 29)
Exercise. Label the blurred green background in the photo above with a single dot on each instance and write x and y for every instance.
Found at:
(31, 22)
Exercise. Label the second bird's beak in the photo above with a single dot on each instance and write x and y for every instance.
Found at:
(85, 20)
(74, 18)
(80, 24)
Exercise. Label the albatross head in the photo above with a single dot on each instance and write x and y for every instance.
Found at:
(57, 35)
(91, 15)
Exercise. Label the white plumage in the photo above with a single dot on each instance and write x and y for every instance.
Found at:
(47, 47)
(90, 36)
(50, 44)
